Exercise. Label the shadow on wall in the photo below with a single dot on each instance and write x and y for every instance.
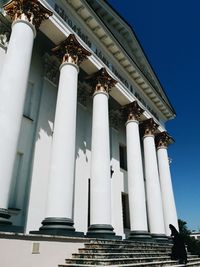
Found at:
(83, 131)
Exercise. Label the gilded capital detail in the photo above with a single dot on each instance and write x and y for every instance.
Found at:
(163, 140)
(101, 81)
(149, 127)
(71, 51)
(132, 111)
(28, 10)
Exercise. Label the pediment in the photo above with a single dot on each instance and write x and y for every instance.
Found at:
(127, 38)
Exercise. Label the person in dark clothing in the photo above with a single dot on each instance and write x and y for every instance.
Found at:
(178, 248)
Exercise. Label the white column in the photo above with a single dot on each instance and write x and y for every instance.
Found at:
(153, 191)
(62, 166)
(100, 212)
(61, 180)
(136, 189)
(13, 83)
(169, 207)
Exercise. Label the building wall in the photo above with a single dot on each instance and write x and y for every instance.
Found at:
(31, 174)
(36, 251)
(29, 189)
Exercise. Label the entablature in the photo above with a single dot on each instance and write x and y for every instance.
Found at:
(132, 84)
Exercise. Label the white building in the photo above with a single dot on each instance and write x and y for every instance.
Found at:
(196, 235)
(80, 108)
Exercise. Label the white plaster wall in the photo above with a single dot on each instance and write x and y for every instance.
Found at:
(51, 253)
(41, 157)
(82, 170)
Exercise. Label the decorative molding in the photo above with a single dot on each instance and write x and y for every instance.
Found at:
(28, 10)
(132, 111)
(149, 127)
(163, 140)
(101, 81)
(71, 51)
(51, 68)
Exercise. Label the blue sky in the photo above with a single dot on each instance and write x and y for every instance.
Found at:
(169, 32)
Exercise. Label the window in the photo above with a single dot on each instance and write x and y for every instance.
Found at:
(125, 211)
(123, 157)
(29, 101)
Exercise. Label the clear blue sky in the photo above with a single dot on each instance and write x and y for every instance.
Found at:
(169, 32)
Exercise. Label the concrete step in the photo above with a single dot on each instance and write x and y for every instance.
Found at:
(189, 264)
(149, 264)
(130, 246)
(117, 255)
(115, 261)
(123, 250)
(105, 241)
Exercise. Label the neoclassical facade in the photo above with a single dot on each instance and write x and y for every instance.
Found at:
(83, 146)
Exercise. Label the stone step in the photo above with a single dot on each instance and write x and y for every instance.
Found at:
(133, 245)
(116, 260)
(189, 264)
(123, 255)
(128, 244)
(122, 250)
(117, 255)
(149, 264)
(145, 264)
(105, 241)
(126, 254)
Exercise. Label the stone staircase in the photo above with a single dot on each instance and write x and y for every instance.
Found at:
(115, 253)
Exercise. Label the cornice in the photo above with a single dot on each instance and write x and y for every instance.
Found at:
(139, 75)
(88, 15)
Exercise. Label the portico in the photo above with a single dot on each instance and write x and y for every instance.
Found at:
(75, 137)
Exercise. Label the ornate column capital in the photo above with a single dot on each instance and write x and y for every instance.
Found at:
(71, 51)
(132, 111)
(101, 81)
(149, 127)
(163, 140)
(28, 10)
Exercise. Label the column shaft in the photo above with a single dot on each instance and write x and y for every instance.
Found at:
(100, 165)
(137, 199)
(169, 208)
(100, 207)
(61, 180)
(154, 200)
(59, 213)
(13, 83)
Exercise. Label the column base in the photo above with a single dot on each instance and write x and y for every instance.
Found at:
(160, 238)
(4, 218)
(6, 225)
(58, 226)
(104, 231)
(140, 236)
